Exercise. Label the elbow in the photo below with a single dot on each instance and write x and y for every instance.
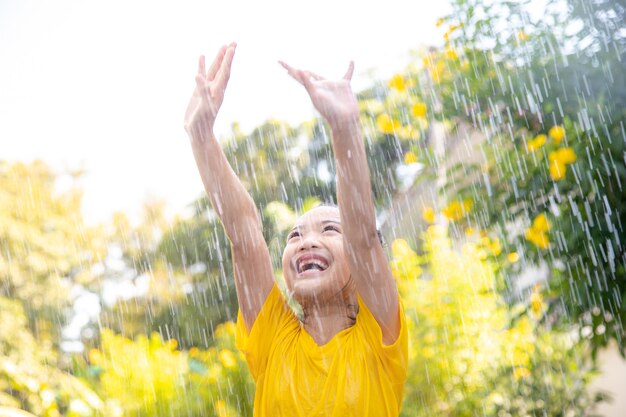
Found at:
(248, 234)
(367, 238)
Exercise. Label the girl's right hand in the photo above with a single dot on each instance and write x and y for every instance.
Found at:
(209, 93)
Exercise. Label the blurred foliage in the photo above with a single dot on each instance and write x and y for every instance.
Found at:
(45, 252)
(274, 164)
(458, 333)
(30, 379)
(44, 246)
(465, 358)
(550, 101)
(198, 249)
(151, 377)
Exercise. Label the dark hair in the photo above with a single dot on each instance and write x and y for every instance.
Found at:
(333, 205)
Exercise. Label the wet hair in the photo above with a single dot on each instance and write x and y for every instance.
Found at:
(333, 205)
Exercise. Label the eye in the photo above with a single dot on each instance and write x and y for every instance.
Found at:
(293, 234)
(331, 228)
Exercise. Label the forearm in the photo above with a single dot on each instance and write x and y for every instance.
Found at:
(229, 198)
(354, 190)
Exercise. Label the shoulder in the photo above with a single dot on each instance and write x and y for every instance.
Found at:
(274, 310)
(274, 319)
(371, 329)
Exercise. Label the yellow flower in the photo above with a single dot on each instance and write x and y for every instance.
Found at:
(541, 223)
(428, 352)
(520, 372)
(95, 357)
(539, 239)
(524, 327)
(400, 249)
(220, 408)
(428, 60)
(456, 210)
(194, 351)
(440, 22)
(557, 133)
(171, 344)
(438, 71)
(228, 358)
(214, 373)
(225, 330)
(410, 158)
(469, 231)
(397, 83)
(495, 247)
(536, 143)
(512, 257)
(566, 155)
(557, 170)
(537, 233)
(408, 133)
(418, 110)
(558, 160)
(405, 262)
(451, 53)
(428, 214)
(536, 302)
(230, 327)
(386, 124)
(522, 36)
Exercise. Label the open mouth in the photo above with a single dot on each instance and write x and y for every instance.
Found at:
(311, 263)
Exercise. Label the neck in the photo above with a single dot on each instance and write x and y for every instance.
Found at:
(324, 321)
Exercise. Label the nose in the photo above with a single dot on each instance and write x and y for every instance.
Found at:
(308, 241)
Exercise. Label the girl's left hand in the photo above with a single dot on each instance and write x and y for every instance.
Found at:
(333, 99)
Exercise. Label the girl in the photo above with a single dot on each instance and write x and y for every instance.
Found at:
(348, 356)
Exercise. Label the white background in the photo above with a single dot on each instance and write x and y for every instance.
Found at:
(103, 85)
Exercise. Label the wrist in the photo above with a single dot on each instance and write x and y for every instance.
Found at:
(199, 136)
(348, 123)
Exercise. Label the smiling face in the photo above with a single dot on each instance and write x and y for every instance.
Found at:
(315, 266)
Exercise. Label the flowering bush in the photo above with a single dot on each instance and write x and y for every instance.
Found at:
(467, 356)
(151, 377)
(550, 102)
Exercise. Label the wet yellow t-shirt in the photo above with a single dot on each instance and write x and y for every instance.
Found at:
(354, 374)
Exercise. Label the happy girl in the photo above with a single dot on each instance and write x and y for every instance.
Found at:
(348, 354)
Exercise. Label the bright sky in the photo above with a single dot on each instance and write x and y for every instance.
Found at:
(103, 85)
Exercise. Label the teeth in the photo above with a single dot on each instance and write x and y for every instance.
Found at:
(312, 264)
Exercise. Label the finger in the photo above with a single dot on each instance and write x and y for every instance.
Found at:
(302, 73)
(217, 62)
(201, 64)
(288, 67)
(295, 74)
(307, 80)
(290, 70)
(313, 75)
(201, 84)
(224, 71)
(350, 71)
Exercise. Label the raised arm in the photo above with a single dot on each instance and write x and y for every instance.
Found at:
(368, 263)
(231, 201)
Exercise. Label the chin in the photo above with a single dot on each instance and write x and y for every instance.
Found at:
(309, 290)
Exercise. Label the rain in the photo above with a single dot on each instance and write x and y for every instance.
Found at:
(424, 217)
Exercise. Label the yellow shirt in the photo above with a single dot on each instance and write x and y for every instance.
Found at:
(354, 374)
